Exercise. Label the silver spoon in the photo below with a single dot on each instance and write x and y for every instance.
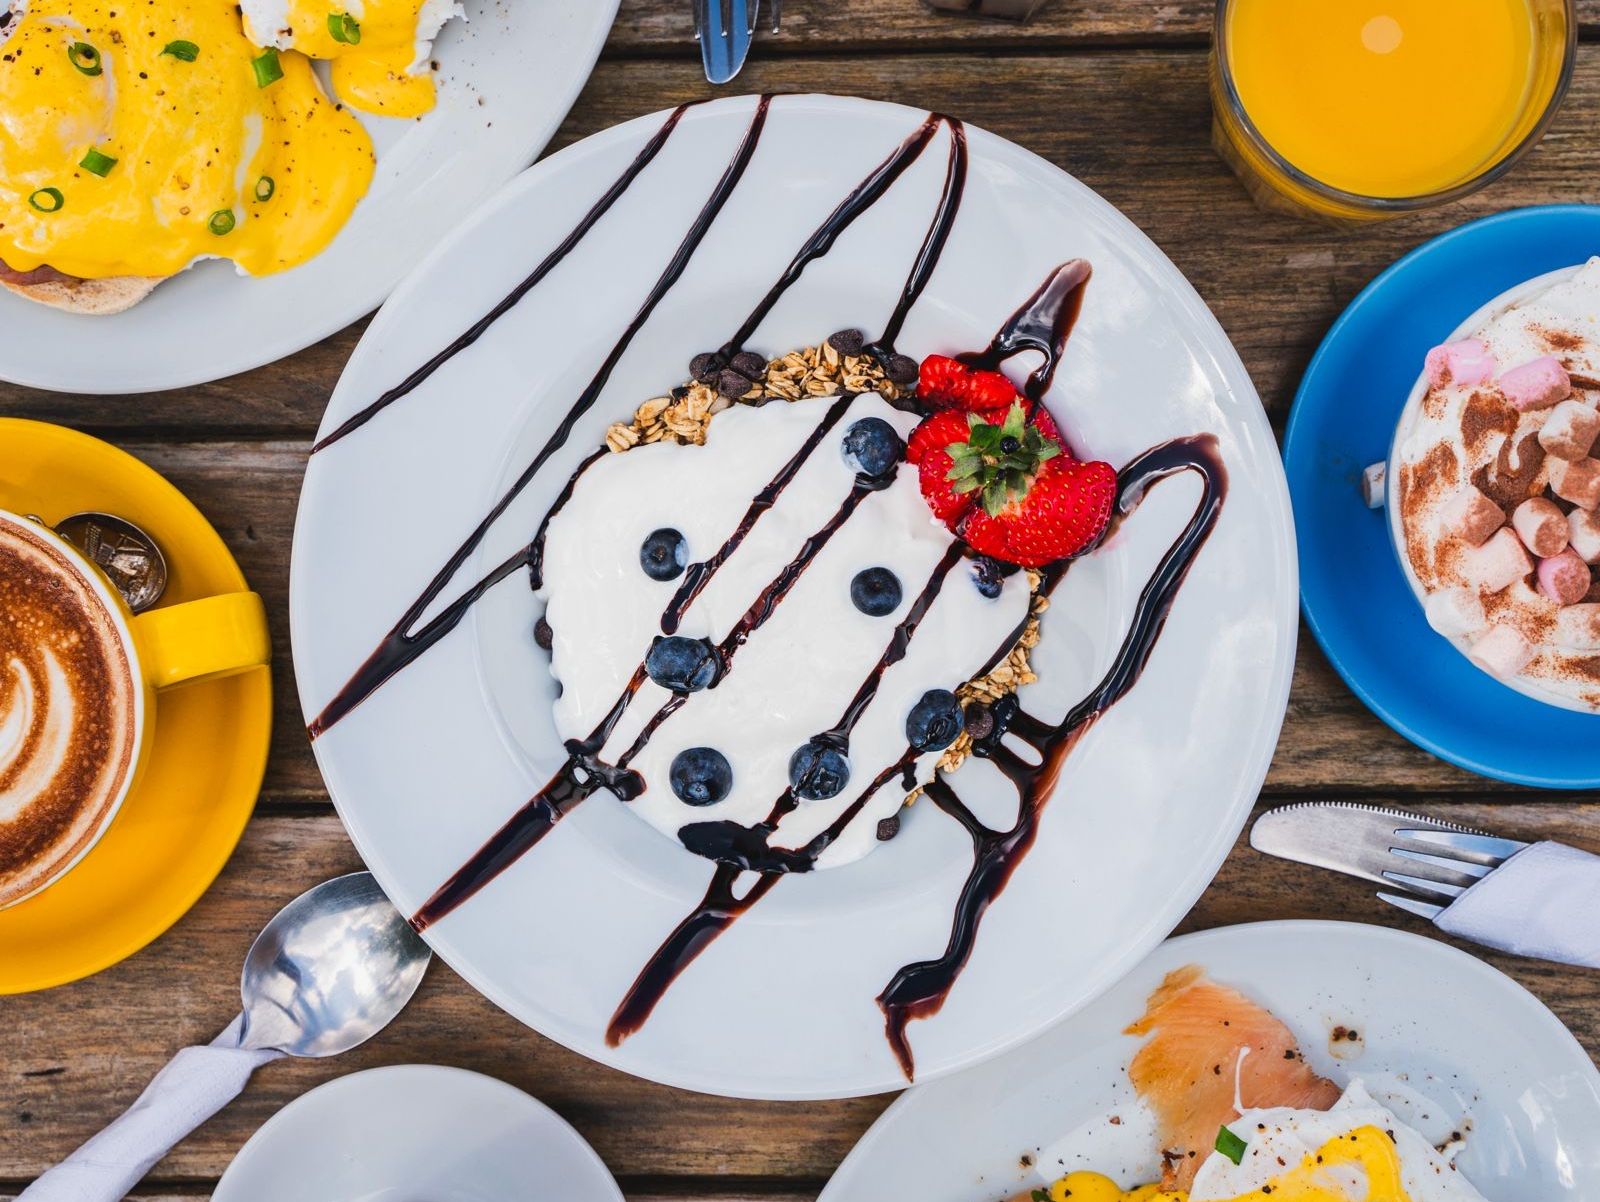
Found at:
(129, 557)
(328, 973)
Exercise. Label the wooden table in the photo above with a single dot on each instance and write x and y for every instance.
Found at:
(1112, 90)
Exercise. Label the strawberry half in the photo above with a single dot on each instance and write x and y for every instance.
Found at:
(929, 449)
(945, 383)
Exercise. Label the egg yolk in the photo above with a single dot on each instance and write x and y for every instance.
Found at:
(1366, 1148)
(138, 137)
(372, 46)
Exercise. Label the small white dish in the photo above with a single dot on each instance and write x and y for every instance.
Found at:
(1428, 1020)
(507, 76)
(437, 759)
(416, 1133)
(1509, 299)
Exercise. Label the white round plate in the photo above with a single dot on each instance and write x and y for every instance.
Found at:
(507, 77)
(782, 1005)
(416, 1133)
(1482, 1051)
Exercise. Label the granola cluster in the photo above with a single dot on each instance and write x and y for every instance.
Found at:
(825, 370)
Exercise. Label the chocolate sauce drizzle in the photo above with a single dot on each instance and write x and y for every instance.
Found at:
(1043, 324)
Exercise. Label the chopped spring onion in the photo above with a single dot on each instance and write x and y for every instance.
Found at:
(222, 222)
(185, 52)
(1230, 1145)
(85, 57)
(267, 68)
(47, 200)
(265, 187)
(98, 164)
(344, 28)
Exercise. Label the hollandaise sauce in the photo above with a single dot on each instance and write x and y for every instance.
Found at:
(377, 48)
(138, 137)
(1360, 1166)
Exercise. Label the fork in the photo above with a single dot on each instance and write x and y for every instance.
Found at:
(725, 29)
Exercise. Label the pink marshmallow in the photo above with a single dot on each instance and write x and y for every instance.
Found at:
(1576, 480)
(1466, 362)
(1503, 651)
(1570, 430)
(1583, 532)
(1537, 384)
(1473, 516)
(1541, 526)
(1500, 562)
(1578, 627)
(1564, 578)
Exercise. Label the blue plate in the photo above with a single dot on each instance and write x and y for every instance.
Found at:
(1355, 598)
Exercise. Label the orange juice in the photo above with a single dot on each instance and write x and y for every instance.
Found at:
(1389, 98)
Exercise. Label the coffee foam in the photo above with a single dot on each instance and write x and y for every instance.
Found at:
(68, 712)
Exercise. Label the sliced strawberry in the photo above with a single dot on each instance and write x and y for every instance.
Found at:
(929, 448)
(945, 383)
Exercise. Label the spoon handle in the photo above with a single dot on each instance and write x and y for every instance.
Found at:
(198, 1082)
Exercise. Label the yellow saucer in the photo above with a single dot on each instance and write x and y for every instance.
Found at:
(177, 829)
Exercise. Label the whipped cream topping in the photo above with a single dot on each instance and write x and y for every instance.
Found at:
(800, 669)
(1469, 435)
(68, 714)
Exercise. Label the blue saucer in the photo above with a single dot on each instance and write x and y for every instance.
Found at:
(1358, 604)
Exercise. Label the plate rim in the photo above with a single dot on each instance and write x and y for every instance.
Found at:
(1293, 433)
(1209, 338)
(833, 1191)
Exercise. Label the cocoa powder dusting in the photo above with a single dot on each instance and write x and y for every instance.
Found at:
(1486, 414)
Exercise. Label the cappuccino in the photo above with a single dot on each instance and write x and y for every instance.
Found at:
(70, 710)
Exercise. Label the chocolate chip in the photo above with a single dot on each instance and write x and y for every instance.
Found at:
(704, 367)
(847, 342)
(979, 719)
(543, 635)
(750, 365)
(732, 385)
(888, 828)
(902, 369)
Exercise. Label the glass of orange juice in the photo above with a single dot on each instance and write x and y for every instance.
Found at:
(1357, 110)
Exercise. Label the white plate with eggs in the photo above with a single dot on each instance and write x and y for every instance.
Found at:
(1452, 1046)
(506, 76)
(707, 208)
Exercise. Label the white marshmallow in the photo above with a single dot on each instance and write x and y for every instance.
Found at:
(1473, 516)
(1583, 533)
(1455, 612)
(1541, 526)
(1570, 430)
(1578, 627)
(1503, 651)
(1500, 562)
(1576, 480)
(1372, 484)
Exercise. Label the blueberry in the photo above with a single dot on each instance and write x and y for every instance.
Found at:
(872, 447)
(700, 776)
(818, 771)
(935, 721)
(682, 665)
(989, 575)
(876, 592)
(663, 554)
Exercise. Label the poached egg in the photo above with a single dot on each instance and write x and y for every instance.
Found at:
(136, 138)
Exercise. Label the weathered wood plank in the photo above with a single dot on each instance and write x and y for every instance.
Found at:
(101, 1040)
(250, 490)
(1135, 126)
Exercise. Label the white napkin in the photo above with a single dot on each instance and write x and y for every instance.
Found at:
(1543, 902)
(196, 1084)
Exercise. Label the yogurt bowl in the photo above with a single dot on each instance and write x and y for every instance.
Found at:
(1469, 478)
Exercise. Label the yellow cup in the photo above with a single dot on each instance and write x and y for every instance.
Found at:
(199, 640)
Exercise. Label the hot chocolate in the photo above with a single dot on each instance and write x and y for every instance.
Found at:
(69, 711)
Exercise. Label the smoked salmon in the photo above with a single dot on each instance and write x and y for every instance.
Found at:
(1209, 1047)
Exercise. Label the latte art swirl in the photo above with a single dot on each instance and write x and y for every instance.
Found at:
(68, 713)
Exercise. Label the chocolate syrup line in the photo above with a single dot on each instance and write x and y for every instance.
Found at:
(1044, 324)
(699, 575)
(399, 648)
(955, 185)
(673, 705)
(623, 182)
(919, 990)
(861, 198)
